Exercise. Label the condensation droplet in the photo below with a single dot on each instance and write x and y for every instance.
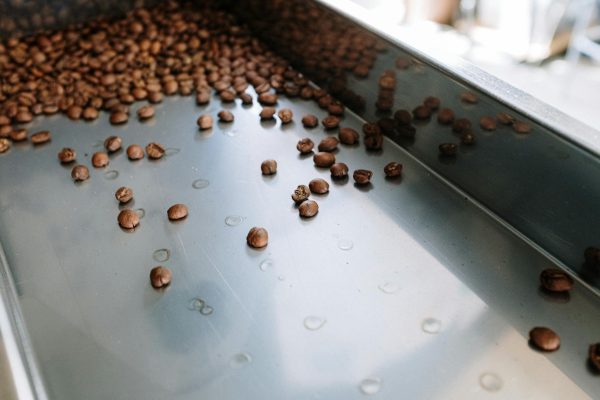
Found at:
(161, 255)
(431, 325)
(230, 133)
(281, 278)
(313, 323)
(206, 310)
(266, 264)
(112, 174)
(389, 287)
(370, 386)
(345, 244)
(200, 183)
(239, 360)
(490, 382)
(198, 304)
(233, 220)
(171, 151)
(140, 212)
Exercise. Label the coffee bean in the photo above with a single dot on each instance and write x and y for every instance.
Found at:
(99, 159)
(40, 137)
(362, 176)
(387, 82)
(300, 194)
(113, 143)
(308, 209)
(505, 119)
(310, 121)
(348, 136)
(80, 173)
(24, 117)
(404, 117)
(155, 151)
(4, 145)
(4, 120)
(384, 104)
(135, 152)
(5, 131)
(555, 280)
(155, 97)
(267, 99)
(225, 116)
(431, 102)
(177, 212)
(305, 146)
(285, 115)
(373, 142)
(74, 112)
(145, 113)
(594, 355)
(267, 113)
(521, 127)
(67, 155)
(227, 96)
(371, 129)
(257, 237)
(544, 339)
(118, 117)
(203, 97)
(18, 135)
(339, 171)
(329, 144)
(324, 159)
(487, 123)
(393, 169)
(160, 277)
(407, 131)
(124, 194)
(461, 125)
(469, 98)
(268, 167)
(246, 98)
(205, 122)
(445, 116)
(467, 138)
(318, 186)
(335, 109)
(128, 219)
(331, 122)
(387, 125)
(422, 112)
(90, 113)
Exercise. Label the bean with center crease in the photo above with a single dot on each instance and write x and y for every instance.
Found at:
(135, 152)
(285, 115)
(324, 159)
(225, 116)
(80, 173)
(160, 277)
(113, 143)
(40, 137)
(362, 176)
(124, 194)
(128, 219)
(155, 151)
(268, 167)
(257, 237)
(308, 209)
(66, 155)
(348, 136)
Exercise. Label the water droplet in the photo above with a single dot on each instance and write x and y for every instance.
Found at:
(112, 174)
(345, 244)
(197, 304)
(233, 220)
(161, 255)
(239, 360)
(98, 143)
(230, 133)
(141, 212)
(281, 278)
(431, 325)
(313, 323)
(206, 310)
(200, 183)
(389, 287)
(370, 386)
(266, 264)
(171, 151)
(490, 382)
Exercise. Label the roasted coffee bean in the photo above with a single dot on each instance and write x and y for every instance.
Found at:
(160, 277)
(318, 186)
(521, 127)
(339, 170)
(556, 280)
(227, 96)
(505, 119)
(487, 123)
(387, 82)
(348, 136)
(310, 121)
(135, 152)
(371, 129)
(445, 116)
(203, 97)
(205, 122)
(594, 355)
(328, 144)
(23, 117)
(324, 159)
(246, 99)
(331, 122)
(308, 209)
(268, 167)
(431, 102)
(113, 143)
(74, 112)
(18, 135)
(225, 116)
(145, 113)
(404, 117)
(118, 117)
(124, 194)
(373, 142)
(155, 97)
(128, 219)
(305, 146)
(387, 125)
(267, 113)
(99, 159)
(422, 112)
(362, 176)
(257, 237)
(4, 120)
(392, 169)
(335, 109)
(407, 131)
(5, 131)
(448, 149)
(40, 137)
(90, 113)
(4, 145)
(592, 256)
(325, 101)
(300, 194)
(544, 339)
(155, 150)
(285, 115)
(177, 212)
(384, 104)
(67, 155)
(461, 125)
(80, 173)
(267, 99)
(469, 98)
(467, 138)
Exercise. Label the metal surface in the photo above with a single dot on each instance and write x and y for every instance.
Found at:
(367, 271)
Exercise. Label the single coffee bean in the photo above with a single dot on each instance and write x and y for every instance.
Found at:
(521, 127)
(329, 144)
(90, 113)
(118, 117)
(305, 146)
(257, 237)
(467, 138)
(5, 131)
(18, 135)
(310, 121)
(544, 339)
(155, 151)
(268, 167)
(448, 149)
(100, 159)
(80, 173)
(4, 120)
(431, 102)
(301, 194)
(594, 355)
(387, 82)
(393, 169)
(331, 122)
(362, 176)
(404, 117)
(348, 136)
(339, 171)
(407, 131)
(74, 112)
(113, 143)
(267, 113)
(124, 194)
(469, 98)
(225, 116)
(422, 112)
(318, 186)
(205, 122)
(4, 145)
(384, 104)
(374, 142)
(160, 277)
(335, 109)
(227, 96)
(592, 256)
(246, 99)
(267, 99)
(145, 112)
(67, 155)
(387, 125)
(371, 129)
(461, 125)
(308, 209)
(40, 137)
(556, 280)
(285, 115)
(324, 159)
(487, 123)
(128, 219)
(505, 119)
(177, 212)
(203, 97)
(445, 116)
(135, 152)
(155, 97)
(24, 117)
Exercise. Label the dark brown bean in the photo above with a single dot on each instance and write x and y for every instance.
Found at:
(487, 123)
(373, 142)
(467, 138)
(422, 112)
(124, 194)
(257, 237)
(318, 186)
(329, 144)
(203, 97)
(370, 129)
(80, 173)
(90, 114)
(267, 113)
(145, 112)
(246, 98)
(348, 136)
(268, 167)
(118, 117)
(339, 171)
(155, 150)
(267, 99)
(469, 98)
(160, 277)
(135, 152)
(544, 339)
(205, 122)
(308, 209)
(74, 112)
(227, 96)
(404, 117)
(445, 116)
(23, 117)
(40, 137)
(324, 159)
(393, 169)
(128, 219)
(67, 155)
(431, 102)
(100, 159)
(225, 116)
(155, 97)
(504, 118)
(305, 146)
(594, 355)
(556, 280)
(521, 127)
(177, 212)
(331, 122)
(461, 125)
(113, 143)
(5, 131)
(4, 120)
(285, 115)
(362, 176)
(310, 121)
(18, 135)
(4, 145)
(301, 193)
(448, 149)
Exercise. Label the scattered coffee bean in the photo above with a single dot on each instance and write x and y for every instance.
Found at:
(387, 125)
(145, 112)
(469, 98)
(99, 159)
(445, 116)
(118, 117)
(331, 122)
(268, 167)
(329, 144)
(5, 131)
(374, 142)
(18, 135)
(335, 109)
(407, 131)
(90, 113)
(370, 129)
(257, 237)
(556, 280)
(300, 194)
(227, 96)
(521, 127)
(594, 355)
(324, 159)
(467, 138)
(80, 173)
(267, 113)
(285, 115)
(422, 112)
(128, 219)
(431, 102)
(339, 171)
(135, 152)
(160, 277)
(362, 176)
(348, 136)
(4, 145)
(113, 143)
(404, 117)
(448, 149)
(505, 119)
(487, 123)
(246, 99)
(225, 116)
(308, 209)
(318, 186)
(202, 97)
(267, 99)
(205, 122)
(124, 194)
(177, 212)
(40, 137)
(74, 112)
(544, 339)
(4, 120)
(305, 146)
(155, 151)
(24, 117)
(393, 169)
(67, 155)
(310, 121)
(461, 125)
